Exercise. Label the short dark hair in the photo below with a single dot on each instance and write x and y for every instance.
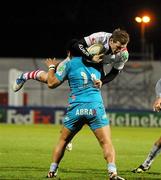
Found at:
(120, 35)
(70, 47)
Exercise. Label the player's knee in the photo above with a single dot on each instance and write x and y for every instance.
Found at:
(108, 155)
(159, 142)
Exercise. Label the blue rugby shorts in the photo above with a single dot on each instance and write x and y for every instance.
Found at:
(78, 114)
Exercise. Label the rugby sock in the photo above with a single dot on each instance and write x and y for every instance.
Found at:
(111, 168)
(153, 153)
(32, 75)
(53, 167)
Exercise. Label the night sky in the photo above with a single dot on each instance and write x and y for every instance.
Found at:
(43, 29)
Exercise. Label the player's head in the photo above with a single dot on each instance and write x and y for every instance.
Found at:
(118, 40)
(71, 51)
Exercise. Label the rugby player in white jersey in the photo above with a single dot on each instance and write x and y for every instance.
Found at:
(156, 149)
(115, 53)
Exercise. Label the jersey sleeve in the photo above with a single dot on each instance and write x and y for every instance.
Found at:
(62, 70)
(81, 47)
(119, 65)
(158, 88)
(115, 61)
(121, 59)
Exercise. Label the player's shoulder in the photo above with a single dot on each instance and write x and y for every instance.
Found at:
(74, 61)
(96, 37)
(63, 63)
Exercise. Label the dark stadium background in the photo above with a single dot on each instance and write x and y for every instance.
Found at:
(41, 29)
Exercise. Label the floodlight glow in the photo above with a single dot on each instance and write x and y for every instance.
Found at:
(138, 19)
(146, 19)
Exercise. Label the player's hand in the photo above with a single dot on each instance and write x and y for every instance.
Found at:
(157, 105)
(97, 83)
(97, 58)
(50, 61)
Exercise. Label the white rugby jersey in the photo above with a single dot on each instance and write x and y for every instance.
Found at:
(158, 88)
(103, 37)
(99, 37)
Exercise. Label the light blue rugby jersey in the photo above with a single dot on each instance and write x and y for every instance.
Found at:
(79, 77)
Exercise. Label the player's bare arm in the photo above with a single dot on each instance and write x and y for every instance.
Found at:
(52, 81)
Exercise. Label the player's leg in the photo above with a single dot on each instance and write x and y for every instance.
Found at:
(99, 124)
(156, 149)
(70, 128)
(103, 135)
(158, 142)
(58, 153)
(37, 75)
(69, 146)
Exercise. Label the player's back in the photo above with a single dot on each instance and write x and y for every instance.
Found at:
(81, 77)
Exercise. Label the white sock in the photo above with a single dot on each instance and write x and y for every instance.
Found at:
(112, 168)
(53, 167)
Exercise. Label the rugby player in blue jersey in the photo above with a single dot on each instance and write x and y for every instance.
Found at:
(85, 107)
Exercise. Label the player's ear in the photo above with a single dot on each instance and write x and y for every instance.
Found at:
(111, 41)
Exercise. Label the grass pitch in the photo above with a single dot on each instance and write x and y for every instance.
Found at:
(25, 153)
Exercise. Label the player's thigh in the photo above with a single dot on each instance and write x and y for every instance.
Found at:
(103, 134)
(67, 134)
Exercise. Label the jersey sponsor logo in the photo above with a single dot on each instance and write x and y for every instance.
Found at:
(85, 112)
(83, 50)
(60, 70)
(66, 119)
